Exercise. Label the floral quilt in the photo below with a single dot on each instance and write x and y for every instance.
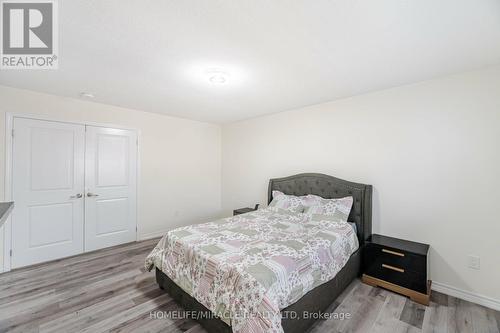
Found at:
(248, 267)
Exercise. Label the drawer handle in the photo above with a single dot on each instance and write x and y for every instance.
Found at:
(400, 270)
(393, 252)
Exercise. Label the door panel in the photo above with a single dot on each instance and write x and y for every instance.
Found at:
(53, 217)
(52, 166)
(48, 173)
(112, 215)
(112, 160)
(110, 182)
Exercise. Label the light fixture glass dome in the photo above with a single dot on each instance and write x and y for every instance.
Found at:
(216, 76)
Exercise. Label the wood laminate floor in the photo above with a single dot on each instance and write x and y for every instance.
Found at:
(108, 291)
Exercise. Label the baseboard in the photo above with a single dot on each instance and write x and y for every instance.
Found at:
(466, 295)
(150, 235)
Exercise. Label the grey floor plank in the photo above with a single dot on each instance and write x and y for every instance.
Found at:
(496, 315)
(364, 317)
(108, 291)
(118, 319)
(77, 320)
(413, 313)
(482, 320)
(459, 316)
(350, 305)
(196, 329)
(436, 315)
(52, 269)
(388, 318)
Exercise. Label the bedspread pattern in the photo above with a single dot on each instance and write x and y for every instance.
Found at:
(248, 267)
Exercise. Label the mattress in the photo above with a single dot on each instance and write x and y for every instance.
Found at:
(246, 268)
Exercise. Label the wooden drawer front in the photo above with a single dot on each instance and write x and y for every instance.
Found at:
(397, 275)
(397, 258)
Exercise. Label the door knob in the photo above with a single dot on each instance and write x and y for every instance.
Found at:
(89, 194)
(77, 196)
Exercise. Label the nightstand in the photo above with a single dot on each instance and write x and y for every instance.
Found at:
(245, 210)
(398, 265)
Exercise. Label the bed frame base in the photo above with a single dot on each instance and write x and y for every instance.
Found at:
(315, 301)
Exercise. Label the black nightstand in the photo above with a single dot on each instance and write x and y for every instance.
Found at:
(245, 210)
(398, 265)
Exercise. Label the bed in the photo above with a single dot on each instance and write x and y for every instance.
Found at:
(296, 316)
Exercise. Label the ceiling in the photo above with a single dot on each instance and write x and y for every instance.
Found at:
(152, 55)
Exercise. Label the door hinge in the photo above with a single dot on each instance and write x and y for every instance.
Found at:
(12, 133)
(10, 253)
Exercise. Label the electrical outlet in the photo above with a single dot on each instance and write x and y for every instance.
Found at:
(474, 262)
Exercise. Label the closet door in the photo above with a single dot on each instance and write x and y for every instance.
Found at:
(47, 188)
(110, 183)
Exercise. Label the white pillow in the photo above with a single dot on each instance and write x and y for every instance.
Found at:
(338, 209)
(292, 203)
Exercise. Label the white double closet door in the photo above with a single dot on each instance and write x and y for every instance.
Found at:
(74, 189)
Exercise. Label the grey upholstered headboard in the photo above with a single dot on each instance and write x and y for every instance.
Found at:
(330, 187)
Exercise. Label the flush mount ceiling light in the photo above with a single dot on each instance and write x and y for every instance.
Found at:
(86, 95)
(217, 76)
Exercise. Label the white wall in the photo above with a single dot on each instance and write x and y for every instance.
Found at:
(180, 160)
(431, 151)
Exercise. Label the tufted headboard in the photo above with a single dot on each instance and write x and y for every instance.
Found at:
(329, 187)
